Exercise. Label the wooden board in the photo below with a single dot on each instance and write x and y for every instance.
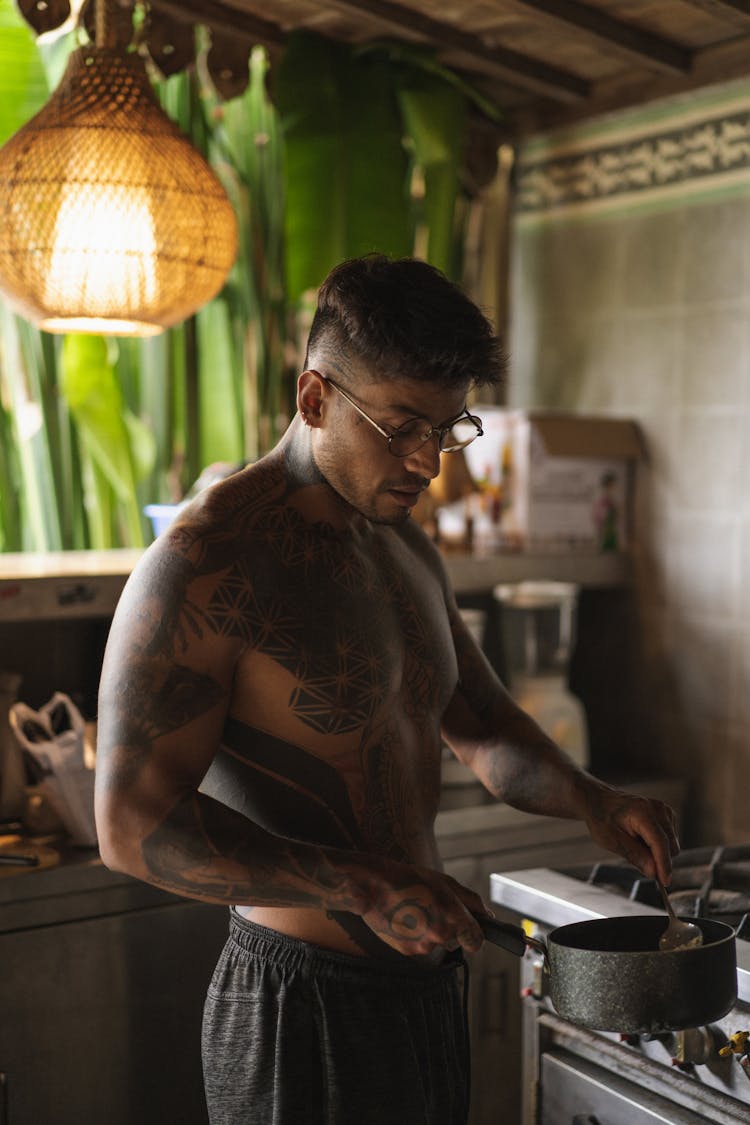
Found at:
(15, 845)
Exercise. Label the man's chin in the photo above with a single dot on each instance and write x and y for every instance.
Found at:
(387, 513)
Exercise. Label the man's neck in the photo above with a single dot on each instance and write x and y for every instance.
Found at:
(316, 500)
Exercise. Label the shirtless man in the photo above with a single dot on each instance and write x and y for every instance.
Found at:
(282, 671)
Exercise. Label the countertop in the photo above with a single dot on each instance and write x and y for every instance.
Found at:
(83, 584)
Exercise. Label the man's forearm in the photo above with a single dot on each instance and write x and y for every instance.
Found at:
(528, 771)
(531, 773)
(206, 851)
(512, 756)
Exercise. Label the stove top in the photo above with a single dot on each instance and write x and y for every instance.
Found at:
(707, 882)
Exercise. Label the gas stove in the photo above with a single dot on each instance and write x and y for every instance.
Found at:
(686, 1078)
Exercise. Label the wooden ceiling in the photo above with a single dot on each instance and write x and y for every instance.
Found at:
(545, 62)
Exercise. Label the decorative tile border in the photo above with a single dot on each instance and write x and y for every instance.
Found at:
(696, 148)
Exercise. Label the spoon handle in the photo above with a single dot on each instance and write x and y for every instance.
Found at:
(665, 899)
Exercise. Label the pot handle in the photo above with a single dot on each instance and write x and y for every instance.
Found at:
(503, 934)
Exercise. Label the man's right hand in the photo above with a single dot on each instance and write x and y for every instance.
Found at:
(416, 911)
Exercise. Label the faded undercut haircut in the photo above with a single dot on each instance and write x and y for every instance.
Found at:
(406, 320)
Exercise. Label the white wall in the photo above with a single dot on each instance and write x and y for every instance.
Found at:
(630, 295)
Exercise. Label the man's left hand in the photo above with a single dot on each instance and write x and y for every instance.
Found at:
(640, 829)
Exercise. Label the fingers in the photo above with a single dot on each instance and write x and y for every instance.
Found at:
(462, 933)
(647, 837)
(656, 828)
(428, 915)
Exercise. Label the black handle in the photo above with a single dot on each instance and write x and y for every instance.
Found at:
(503, 934)
(13, 859)
(585, 1119)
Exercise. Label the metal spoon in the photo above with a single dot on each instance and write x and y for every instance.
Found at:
(678, 934)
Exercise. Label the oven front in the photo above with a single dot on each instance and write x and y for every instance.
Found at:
(579, 1077)
(576, 1076)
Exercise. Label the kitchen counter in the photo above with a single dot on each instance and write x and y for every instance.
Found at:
(79, 887)
(66, 585)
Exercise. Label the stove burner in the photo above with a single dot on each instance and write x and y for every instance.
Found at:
(706, 882)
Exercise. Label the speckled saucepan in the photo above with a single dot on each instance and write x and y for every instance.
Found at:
(610, 975)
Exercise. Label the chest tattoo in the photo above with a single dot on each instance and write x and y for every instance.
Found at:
(342, 622)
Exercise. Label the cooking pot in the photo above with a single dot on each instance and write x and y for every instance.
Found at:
(610, 975)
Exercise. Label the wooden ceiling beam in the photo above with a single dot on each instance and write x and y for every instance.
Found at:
(716, 6)
(516, 69)
(223, 17)
(640, 46)
(717, 64)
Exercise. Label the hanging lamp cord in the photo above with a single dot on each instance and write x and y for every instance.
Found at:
(104, 24)
(111, 23)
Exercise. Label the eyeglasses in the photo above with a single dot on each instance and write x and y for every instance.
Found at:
(416, 432)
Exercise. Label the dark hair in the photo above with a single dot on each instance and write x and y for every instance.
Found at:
(407, 320)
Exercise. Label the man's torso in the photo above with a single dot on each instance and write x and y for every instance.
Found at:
(333, 731)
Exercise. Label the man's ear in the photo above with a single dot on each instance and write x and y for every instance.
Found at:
(309, 397)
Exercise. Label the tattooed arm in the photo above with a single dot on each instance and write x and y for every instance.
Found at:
(164, 695)
(519, 764)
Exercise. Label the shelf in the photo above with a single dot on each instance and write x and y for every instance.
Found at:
(473, 574)
(63, 585)
(69, 585)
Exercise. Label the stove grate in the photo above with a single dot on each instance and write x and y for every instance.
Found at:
(707, 883)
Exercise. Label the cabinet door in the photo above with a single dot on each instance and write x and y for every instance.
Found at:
(101, 1018)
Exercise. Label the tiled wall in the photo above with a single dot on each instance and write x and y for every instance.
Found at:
(630, 296)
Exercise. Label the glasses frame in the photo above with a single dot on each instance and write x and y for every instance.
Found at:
(441, 431)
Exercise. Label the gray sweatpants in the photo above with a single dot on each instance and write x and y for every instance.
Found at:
(298, 1035)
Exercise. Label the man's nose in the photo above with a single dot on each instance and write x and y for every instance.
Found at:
(426, 459)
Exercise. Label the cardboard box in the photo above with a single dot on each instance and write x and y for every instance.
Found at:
(559, 480)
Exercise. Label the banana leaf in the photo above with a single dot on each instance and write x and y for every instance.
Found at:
(435, 117)
(221, 437)
(346, 168)
(25, 398)
(146, 377)
(117, 446)
(23, 83)
(246, 151)
(10, 484)
(434, 102)
(418, 59)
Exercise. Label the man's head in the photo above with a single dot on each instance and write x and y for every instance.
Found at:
(393, 349)
(402, 319)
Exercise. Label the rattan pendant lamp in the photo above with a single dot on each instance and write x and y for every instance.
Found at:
(110, 221)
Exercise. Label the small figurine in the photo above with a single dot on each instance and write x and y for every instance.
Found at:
(605, 513)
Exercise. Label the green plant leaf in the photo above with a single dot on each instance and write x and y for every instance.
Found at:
(95, 401)
(416, 58)
(142, 445)
(221, 412)
(22, 382)
(246, 151)
(23, 83)
(346, 169)
(10, 487)
(435, 117)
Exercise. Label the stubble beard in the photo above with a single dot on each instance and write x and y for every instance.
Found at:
(368, 511)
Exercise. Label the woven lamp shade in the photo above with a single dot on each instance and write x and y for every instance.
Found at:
(110, 221)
